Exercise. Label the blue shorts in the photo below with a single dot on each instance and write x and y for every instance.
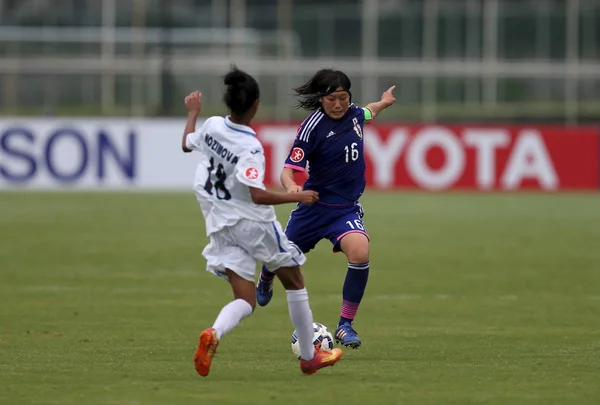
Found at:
(308, 224)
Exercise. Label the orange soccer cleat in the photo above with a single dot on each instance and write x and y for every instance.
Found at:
(207, 347)
(321, 359)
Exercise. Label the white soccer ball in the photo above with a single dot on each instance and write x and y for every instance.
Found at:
(322, 339)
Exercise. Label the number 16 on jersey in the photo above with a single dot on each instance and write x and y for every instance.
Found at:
(351, 152)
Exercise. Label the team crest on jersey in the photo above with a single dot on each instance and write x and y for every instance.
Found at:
(252, 173)
(357, 128)
(297, 155)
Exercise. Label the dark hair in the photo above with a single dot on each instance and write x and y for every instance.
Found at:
(241, 92)
(323, 83)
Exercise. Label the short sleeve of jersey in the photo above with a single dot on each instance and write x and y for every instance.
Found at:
(365, 114)
(250, 169)
(304, 143)
(194, 140)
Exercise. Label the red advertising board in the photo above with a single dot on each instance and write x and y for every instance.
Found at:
(470, 157)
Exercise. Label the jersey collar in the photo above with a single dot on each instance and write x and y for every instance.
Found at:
(239, 128)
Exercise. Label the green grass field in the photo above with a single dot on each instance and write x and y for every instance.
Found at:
(473, 299)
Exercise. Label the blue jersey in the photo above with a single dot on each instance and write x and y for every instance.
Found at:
(333, 151)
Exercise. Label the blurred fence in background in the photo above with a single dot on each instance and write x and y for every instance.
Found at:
(499, 60)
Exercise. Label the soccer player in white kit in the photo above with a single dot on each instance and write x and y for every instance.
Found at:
(241, 221)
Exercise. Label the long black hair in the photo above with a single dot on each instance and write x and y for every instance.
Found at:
(241, 91)
(323, 83)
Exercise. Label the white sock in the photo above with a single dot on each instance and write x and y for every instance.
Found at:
(302, 319)
(231, 315)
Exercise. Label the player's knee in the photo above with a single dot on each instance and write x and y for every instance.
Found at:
(356, 248)
(358, 253)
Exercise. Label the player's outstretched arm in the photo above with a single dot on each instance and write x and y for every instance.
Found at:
(193, 102)
(287, 180)
(265, 197)
(387, 99)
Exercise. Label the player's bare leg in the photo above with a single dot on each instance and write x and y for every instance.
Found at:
(356, 248)
(229, 317)
(311, 359)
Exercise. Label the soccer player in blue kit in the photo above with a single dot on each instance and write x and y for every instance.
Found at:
(330, 143)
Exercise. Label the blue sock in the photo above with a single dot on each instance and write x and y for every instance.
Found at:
(266, 275)
(354, 289)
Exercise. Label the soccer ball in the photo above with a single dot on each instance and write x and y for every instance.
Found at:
(322, 339)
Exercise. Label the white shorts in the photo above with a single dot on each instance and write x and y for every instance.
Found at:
(241, 246)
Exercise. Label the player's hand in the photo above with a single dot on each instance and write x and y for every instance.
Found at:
(308, 197)
(193, 102)
(294, 189)
(388, 97)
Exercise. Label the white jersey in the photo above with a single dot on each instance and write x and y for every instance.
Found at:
(231, 161)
